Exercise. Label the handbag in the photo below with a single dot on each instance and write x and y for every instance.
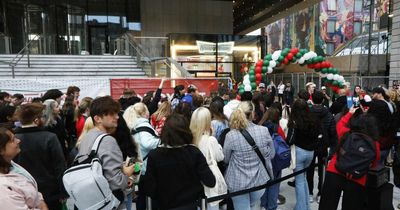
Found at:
(253, 144)
(220, 187)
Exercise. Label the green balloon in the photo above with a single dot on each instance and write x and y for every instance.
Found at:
(264, 77)
(241, 86)
(299, 55)
(251, 72)
(264, 69)
(341, 85)
(266, 63)
(334, 71)
(252, 78)
(241, 91)
(280, 59)
(253, 85)
(335, 83)
(252, 68)
(324, 70)
(268, 57)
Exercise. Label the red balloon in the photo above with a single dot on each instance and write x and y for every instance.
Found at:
(259, 63)
(258, 82)
(294, 51)
(285, 61)
(258, 77)
(289, 56)
(328, 64)
(310, 66)
(317, 66)
(258, 70)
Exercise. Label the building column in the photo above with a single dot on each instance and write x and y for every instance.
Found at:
(394, 73)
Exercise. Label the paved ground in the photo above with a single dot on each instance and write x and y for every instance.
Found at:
(290, 195)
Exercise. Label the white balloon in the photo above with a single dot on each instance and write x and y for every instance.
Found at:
(322, 75)
(301, 60)
(276, 55)
(246, 82)
(272, 63)
(313, 54)
(247, 88)
(246, 77)
(341, 78)
(269, 70)
(336, 77)
(329, 76)
(307, 56)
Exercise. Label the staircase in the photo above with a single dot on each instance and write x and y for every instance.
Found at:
(71, 66)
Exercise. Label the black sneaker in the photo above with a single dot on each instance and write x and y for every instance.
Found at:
(291, 183)
(281, 199)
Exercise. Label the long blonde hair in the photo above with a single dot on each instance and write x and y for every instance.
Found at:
(164, 110)
(86, 128)
(241, 116)
(200, 124)
(134, 112)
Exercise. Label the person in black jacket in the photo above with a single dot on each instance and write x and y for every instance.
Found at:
(41, 154)
(151, 100)
(177, 169)
(329, 139)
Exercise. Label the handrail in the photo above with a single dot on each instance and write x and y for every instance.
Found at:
(16, 59)
(148, 59)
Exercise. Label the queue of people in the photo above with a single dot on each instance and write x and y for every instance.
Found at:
(179, 150)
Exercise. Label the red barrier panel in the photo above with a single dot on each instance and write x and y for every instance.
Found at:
(141, 86)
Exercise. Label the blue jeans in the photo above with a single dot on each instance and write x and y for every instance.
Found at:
(129, 201)
(248, 201)
(303, 160)
(269, 199)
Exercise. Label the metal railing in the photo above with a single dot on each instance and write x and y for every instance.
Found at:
(299, 80)
(154, 65)
(21, 54)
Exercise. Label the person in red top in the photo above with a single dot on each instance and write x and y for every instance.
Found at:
(354, 192)
(157, 119)
(82, 112)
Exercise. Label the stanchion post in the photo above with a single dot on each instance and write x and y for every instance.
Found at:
(203, 204)
(148, 203)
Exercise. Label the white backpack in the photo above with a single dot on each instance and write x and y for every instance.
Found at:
(86, 184)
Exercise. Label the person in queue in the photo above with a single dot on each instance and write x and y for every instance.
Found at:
(245, 169)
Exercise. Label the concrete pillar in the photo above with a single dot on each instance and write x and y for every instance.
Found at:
(394, 73)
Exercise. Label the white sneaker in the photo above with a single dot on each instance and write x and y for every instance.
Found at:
(318, 198)
(311, 198)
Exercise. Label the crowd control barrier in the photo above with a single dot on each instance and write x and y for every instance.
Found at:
(204, 201)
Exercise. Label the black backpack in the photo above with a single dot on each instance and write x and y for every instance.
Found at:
(355, 155)
(144, 129)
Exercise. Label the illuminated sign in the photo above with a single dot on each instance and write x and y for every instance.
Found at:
(210, 47)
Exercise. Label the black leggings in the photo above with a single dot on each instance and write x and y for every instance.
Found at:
(321, 155)
(354, 195)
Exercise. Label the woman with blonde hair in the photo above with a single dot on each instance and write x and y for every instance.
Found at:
(158, 118)
(82, 112)
(86, 128)
(137, 119)
(200, 125)
(246, 170)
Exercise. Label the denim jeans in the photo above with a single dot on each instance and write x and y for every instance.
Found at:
(303, 160)
(249, 201)
(269, 199)
(128, 201)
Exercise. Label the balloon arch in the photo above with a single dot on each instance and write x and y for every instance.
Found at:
(259, 71)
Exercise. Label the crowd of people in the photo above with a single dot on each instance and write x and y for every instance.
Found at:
(190, 146)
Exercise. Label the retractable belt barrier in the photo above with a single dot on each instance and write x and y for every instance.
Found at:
(204, 201)
(268, 184)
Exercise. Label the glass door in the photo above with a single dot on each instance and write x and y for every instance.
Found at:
(98, 40)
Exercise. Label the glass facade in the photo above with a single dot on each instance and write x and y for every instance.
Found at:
(66, 26)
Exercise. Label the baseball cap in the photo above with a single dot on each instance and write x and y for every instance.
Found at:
(323, 88)
(261, 85)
